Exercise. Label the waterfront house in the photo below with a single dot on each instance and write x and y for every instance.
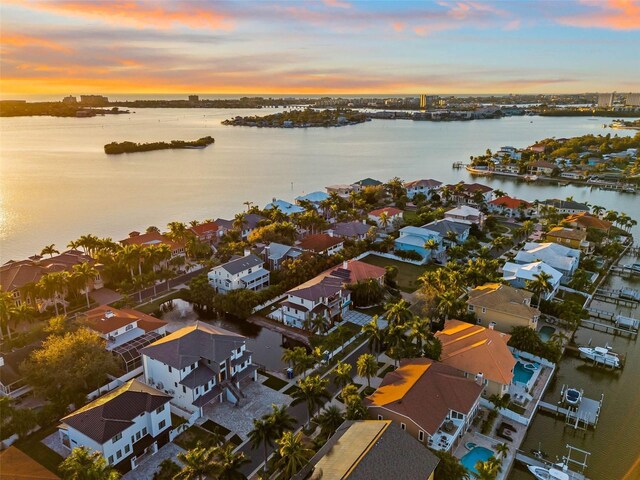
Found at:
(342, 189)
(511, 207)
(510, 168)
(466, 214)
(12, 381)
(564, 207)
(386, 218)
(240, 272)
(466, 193)
(364, 183)
(537, 148)
(426, 187)
(434, 402)
(276, 253)
(206, 232)
(446, 228)
(369, 449)
(314, 198)
(154, 238)
(518, 275)
(198, 365)
(541, 167)
(482, 353)
(125, 426)
(572, 175)
(321, 243)
(563, 259)
(585, 221)
(251, 222)
(285, 207)
(569, 237)
(352, 230)
(513, 153)
(20, 277)
(502, 306)
(414, 238)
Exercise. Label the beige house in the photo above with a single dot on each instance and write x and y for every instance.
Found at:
(480, 352)
(503, 307)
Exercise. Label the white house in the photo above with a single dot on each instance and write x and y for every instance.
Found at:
(285, 207)
(563, 259)
(240, 272)
(198, 365)
(125, 425)
(466, 214)
(518, 276)
(387, 217)
(276, 253)
(342, 189)
(427, 187)
(511, 207)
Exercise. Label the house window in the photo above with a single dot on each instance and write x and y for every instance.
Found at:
(128, 327)
(116, 438)
(471, 308)
(138, 435)
(380, 417)
(144, 431)
(119, 454)
(170, 370)
(127, 448)
(162, 424)
(403, 426)
(160, 409)
(421, 436)
(184, 390)
(133, 438)
(110, 458)
(484, 310)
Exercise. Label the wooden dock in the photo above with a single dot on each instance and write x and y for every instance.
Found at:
(583, 417)
(614, 329)
(527, 460)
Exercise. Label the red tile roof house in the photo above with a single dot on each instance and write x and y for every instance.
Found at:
(20, 277)
(435, 403)
(321, 243)
(583, 221)
(393, 217)
(426, 187)
(206, 232)
(154, 238)
(511, 207)
(468, 191)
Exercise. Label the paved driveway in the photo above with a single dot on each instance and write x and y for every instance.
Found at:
(147, 468)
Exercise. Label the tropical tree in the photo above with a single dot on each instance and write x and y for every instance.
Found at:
(152, 229)
(198, 463)
(7, 309)
(228, 463)
(312, 390)
(298, 359)
(502, 450)
(342, 374)
(281, 418)
(263, 434)
(329, 420)
(485, 471)
(540, 285)
(167, 470)
(397, 313)
(449, 467)
(239, 221)
(294, 454)
(178, 231)
(352, 400)
(448, 304)
(49, 250)
(432, 245)
(84, 464)
(367, 366)
(374, 335)
(384, 220)
(419, 330)
(85, 273)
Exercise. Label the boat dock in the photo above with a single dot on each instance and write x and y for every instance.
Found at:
(563, 465)
(618, 325)
(582, 417)
(627, 297)
(527, 460)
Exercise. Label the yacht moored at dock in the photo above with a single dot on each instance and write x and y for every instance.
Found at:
(601, 355)
(542, 473)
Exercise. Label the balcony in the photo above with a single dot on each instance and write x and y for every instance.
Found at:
(446, 435)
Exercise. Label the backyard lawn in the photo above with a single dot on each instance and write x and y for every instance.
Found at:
(408, 273)
(37, 450)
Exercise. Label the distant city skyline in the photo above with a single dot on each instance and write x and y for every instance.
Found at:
(333, 47)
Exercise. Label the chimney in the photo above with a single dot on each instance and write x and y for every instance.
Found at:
(331, 233)
(479, 378)
(345, 265)
(492, 325)
(247, 252)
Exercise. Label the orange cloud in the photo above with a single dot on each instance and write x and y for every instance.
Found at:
(612, 14)
(398, 26)
(336, 3)
(140, 14)
(13, 39)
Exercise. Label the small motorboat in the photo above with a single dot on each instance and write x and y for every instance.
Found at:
(572, 396)
(542, 473)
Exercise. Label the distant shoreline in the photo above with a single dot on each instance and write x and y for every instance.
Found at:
(115, 148)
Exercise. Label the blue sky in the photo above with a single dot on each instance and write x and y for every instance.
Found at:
(316, 47)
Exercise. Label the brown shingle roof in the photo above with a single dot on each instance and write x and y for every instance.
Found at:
(503, 298)
(570, 233)
(113, 412)
(425, 391)
(475, 349)
(319, 242)
(586, 220)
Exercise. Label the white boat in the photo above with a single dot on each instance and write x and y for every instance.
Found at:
(602, 355)
(542, 473)
(572, 396)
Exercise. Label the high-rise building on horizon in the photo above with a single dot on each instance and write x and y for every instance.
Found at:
(428, 101)
(605, 100)
(632, 100)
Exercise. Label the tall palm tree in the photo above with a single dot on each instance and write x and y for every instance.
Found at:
(228, 463)
(297, 358)
(540, 285)
(281, 418)
(178, 231)
(7, 310)
(130, 257)
(329, 420)
(22, 313)
(294, 454)
(502, 450)
(419, 330)
(597, 210)
(374, 335)
(239, 222)
(85, 273)
(397, 313)
(448, 303)
(312, 390)
(263, 434)
(432, 245)
(84, 464)
(384, 220)
(485, 471)
(49, 250)
(73, 244)
(47, 289)
(198, 463)
(367, 367)
(342, 374)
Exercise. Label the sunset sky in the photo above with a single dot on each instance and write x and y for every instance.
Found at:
(316, 47)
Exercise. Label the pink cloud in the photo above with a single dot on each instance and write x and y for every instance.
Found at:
(336, 3)
(14, 39)
(611, 14)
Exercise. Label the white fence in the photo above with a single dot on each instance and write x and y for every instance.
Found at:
(392, 257)
(115, 383)
(532, 358)
(269, 302)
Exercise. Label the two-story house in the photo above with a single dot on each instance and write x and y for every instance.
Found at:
(502, 306)
(434, 402)
(414, 239)
(563, 259)
(154, 238)
(585, 221)
(465, 214)
(386, 218)
(564, 207)
(207, 232)
(125, 425)
(426, 187)
(198, 365)
(285, 207)
(511, 207)
(321, 243)
(519, 276)
(240, 272)
(569, 237)
(352, 230)
(452, 232)
(276, 253)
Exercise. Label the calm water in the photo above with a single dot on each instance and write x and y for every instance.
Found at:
(56, 183)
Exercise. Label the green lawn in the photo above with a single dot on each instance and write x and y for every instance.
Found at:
(37, 450)
(273, 382)
(191, 436)
(214, 427)
(408, 273)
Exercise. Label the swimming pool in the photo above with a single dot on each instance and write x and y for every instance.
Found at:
(546, 333)
(521, 373)
(478, 454)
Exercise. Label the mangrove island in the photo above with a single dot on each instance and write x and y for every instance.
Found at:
(301, 119)
(115, 148)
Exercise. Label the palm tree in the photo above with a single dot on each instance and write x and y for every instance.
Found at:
(374, 335)
(419, 330)
(239, 221)
(294, 454)
(178, 231)
(384, 220)
(7, 309)
(485, 471)
(329, 420)
(23, 312)
(84, 464)
(500, 242)
(527, 228)
(318, 324)
(342, 374)
(47, 288)
(597, 210)
(367, 367)
(49, 250)
(502, 450)
(73, 244)
(281, 418)
(228, 463)
(297, 358)
(540, 285)
(448, 303)
(130, 257)
(311, 390)
(85, 273)
(432, 245)
(263, 434)
(397, 313)
(198, 463)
